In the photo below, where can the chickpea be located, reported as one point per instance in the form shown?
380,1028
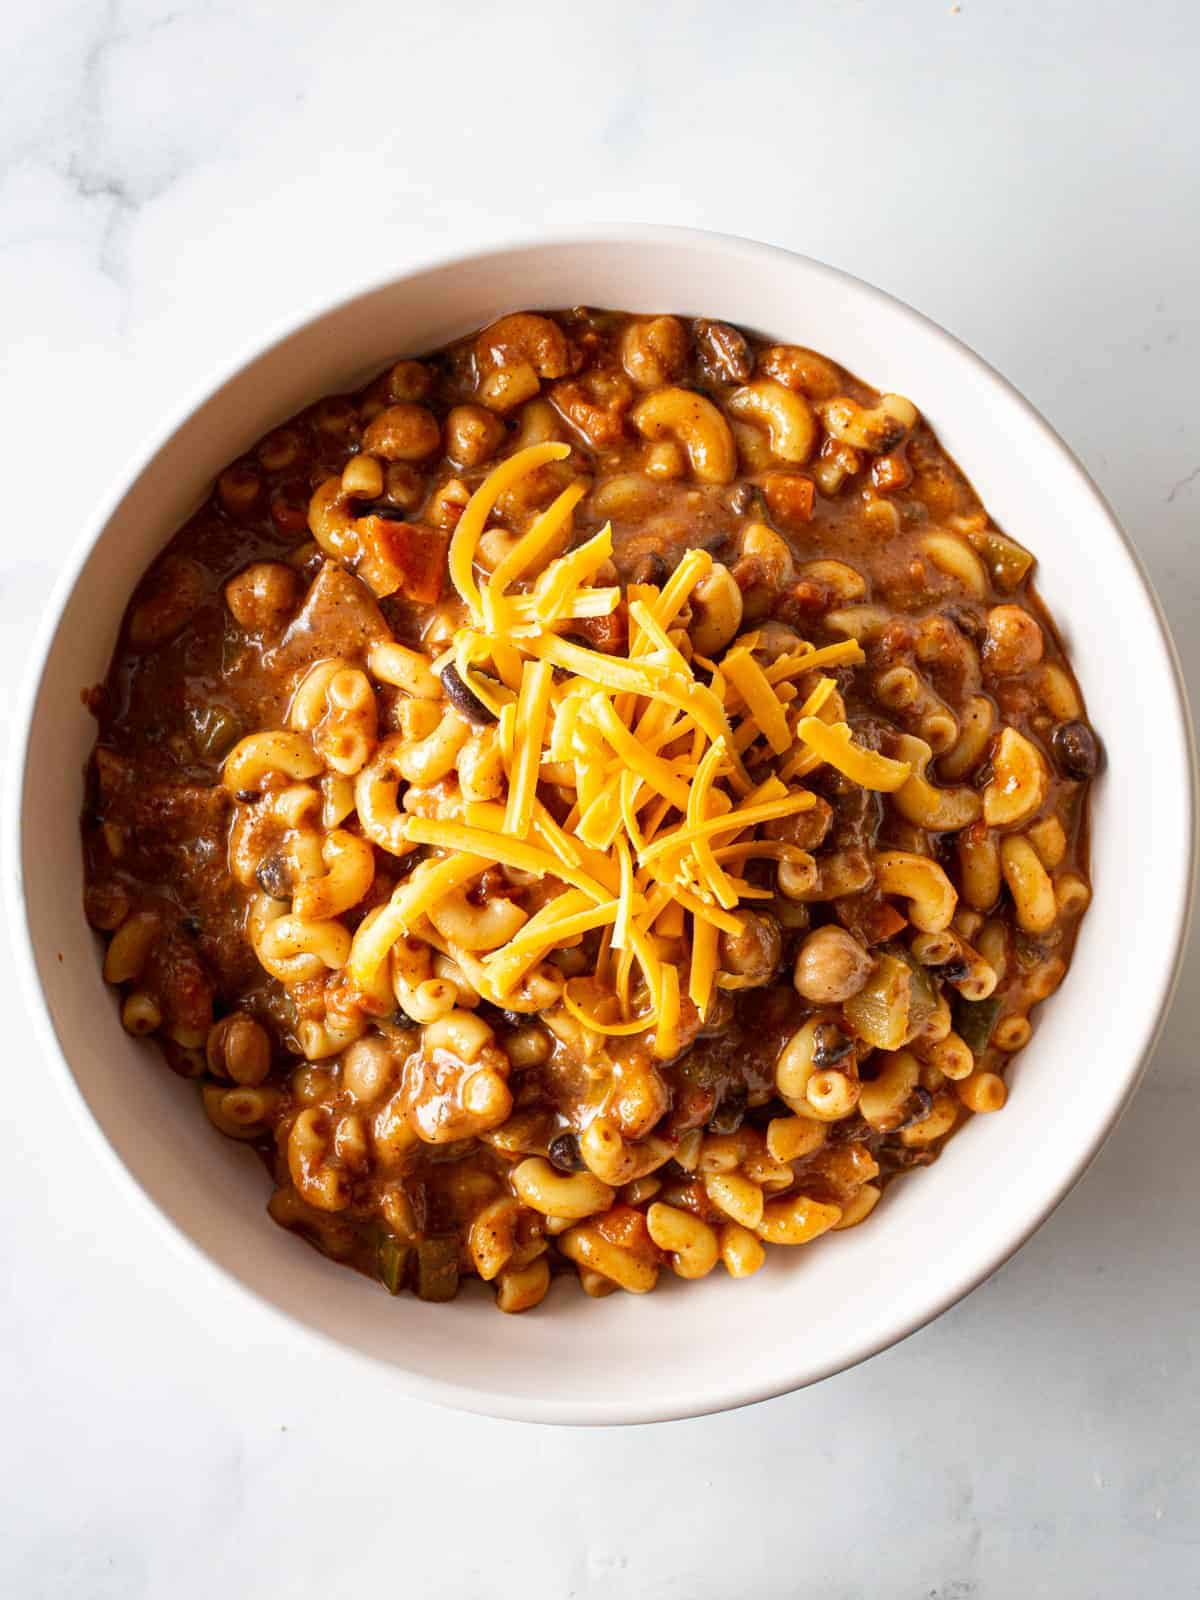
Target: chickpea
754,952
716,611
473,435
403,485
403,432
237,1047
238,488
263,596
831,966
1014,640
336,417
278,450
408,381
527,1046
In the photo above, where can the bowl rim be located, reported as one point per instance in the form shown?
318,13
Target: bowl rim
552,1410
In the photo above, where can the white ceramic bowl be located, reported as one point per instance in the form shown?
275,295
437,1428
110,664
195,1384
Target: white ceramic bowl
687,1348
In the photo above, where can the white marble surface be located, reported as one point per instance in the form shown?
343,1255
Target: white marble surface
173,177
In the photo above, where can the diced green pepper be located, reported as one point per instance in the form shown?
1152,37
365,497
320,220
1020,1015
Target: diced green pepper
880,1011
216,729
437,1268
923,1000
393,1263
1007,562
974,1021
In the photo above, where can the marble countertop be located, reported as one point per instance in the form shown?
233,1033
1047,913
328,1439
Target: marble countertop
177,174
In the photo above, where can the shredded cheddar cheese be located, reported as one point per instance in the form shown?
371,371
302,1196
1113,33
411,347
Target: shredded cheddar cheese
533,703
627,790
832,742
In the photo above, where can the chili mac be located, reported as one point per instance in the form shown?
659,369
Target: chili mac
601,800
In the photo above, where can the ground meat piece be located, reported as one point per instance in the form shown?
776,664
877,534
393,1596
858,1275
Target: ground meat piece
339,617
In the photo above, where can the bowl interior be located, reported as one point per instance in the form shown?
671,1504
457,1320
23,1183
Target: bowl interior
818,1309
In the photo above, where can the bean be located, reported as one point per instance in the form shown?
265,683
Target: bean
724,351
564,1153
237,1047
922,1102
275,876
463,699
967,622
831,966
649,568
830,1045
1076,750
731,1110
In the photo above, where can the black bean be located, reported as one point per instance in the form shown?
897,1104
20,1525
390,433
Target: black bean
901,1159
730,1112
190,925
830,1045
921,1104
275,876
463,700
564,1153
945,846
968,622
1076,750
248,797
649,568
1031,953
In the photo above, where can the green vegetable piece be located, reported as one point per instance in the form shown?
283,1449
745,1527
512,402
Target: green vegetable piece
1008,564
216,730
437,1268
923,1000
392,1263
880,1011
974,1021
